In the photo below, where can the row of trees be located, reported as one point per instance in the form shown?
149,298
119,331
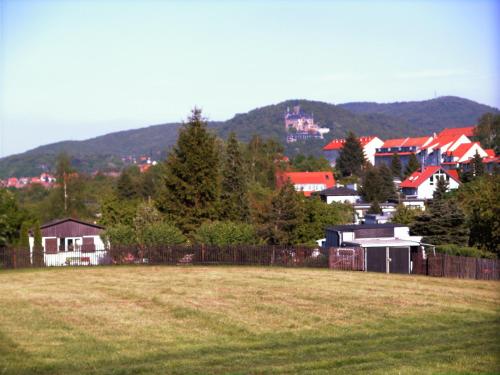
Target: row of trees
217,193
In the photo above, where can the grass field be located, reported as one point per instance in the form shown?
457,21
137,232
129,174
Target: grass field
244,320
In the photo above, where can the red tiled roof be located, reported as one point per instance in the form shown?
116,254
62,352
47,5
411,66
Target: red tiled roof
406,142
444,140
461,150
302,178
467,131
337,144
417,178
490,152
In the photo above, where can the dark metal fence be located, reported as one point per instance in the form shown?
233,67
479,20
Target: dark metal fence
444,265
288,256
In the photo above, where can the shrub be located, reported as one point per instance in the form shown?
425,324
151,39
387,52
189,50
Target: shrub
465,251
222,233
119,235
161,233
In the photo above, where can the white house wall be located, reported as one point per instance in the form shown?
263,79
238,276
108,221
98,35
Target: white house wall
370,149
342,199
426,189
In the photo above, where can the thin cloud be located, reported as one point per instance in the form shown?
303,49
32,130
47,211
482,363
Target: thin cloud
343,77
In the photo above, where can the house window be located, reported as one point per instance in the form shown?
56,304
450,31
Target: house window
62,244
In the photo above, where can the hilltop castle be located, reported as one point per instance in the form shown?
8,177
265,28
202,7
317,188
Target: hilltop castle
300,125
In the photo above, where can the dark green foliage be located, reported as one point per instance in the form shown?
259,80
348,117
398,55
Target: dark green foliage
191,185
477,165
441,189
378,184
302,163
24,242
234,195
480,200
352,157
412,166
442,223
405,215
119,235
285,217
487,131
128,185
11,218
374,208
396,167
37,245
222,233
465,251
116,211
427,116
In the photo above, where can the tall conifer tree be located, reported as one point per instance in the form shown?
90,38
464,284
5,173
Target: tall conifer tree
191,187
396,166
286,216
352,157
234,195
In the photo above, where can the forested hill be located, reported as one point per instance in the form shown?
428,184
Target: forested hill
385,120
427,115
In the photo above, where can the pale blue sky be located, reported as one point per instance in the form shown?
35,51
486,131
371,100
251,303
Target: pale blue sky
79,69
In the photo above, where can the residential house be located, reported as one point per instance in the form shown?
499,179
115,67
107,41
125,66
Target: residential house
422,184
71,241
462,154
339,194
332,150
306,182
404,147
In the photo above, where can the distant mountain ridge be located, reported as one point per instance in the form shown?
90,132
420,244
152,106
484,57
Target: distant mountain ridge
364,118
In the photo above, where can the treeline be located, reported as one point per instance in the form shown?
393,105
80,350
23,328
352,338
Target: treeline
206,191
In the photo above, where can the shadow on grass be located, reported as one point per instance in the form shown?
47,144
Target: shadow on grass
445,344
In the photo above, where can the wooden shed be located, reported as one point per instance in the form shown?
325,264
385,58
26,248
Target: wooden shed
387,247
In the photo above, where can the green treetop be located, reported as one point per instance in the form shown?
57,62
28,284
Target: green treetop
234,194
352,157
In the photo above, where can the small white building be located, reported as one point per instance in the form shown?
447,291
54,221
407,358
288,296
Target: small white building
422,184
71,242
339,194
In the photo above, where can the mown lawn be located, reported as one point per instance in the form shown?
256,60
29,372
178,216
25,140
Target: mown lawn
244,320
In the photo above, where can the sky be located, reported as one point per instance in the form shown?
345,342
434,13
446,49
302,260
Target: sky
76,69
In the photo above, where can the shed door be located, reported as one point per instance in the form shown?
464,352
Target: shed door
376,259
88,244
400,260
51,245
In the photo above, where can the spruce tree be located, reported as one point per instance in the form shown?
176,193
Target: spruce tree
443,222
234,194
388,190
441,189
378,184
286,216
191,185
396,166
477,165
352,157
413,165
